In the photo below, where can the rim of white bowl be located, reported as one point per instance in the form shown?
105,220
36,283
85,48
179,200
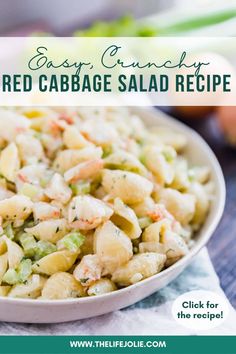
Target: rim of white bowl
193,251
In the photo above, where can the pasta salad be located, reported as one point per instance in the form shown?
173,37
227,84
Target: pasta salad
91,200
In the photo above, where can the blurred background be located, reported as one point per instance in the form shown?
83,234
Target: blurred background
153,18
213,17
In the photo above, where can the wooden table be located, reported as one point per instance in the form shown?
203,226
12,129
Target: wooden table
222,245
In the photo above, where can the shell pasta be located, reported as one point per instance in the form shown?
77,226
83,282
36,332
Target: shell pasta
91,200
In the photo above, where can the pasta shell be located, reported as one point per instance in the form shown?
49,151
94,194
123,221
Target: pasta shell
9,162
60,261
142,208
181,179
128,186
3,265
200,174
87,246
141,266
157,164
156,247
30,148
18,207
49,230
175,246
99,132
101,286
67,159
73,139
31,289
125,218
180,205
113,247
84,170
202,203
5,193
16,124
125,161
14,252
62,285
156,231
4,290
169,137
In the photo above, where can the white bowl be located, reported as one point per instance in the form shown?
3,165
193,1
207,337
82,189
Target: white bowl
41,311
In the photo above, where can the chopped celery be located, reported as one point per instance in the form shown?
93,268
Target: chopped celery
8,230
24,270
45,180
196,21
125,166
81,187
142,158
169,153
35,249
20,274
11,277
28,243
150,26
29,190
44,248
107,150
122,27
168,156
72,241
144,222
191,175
